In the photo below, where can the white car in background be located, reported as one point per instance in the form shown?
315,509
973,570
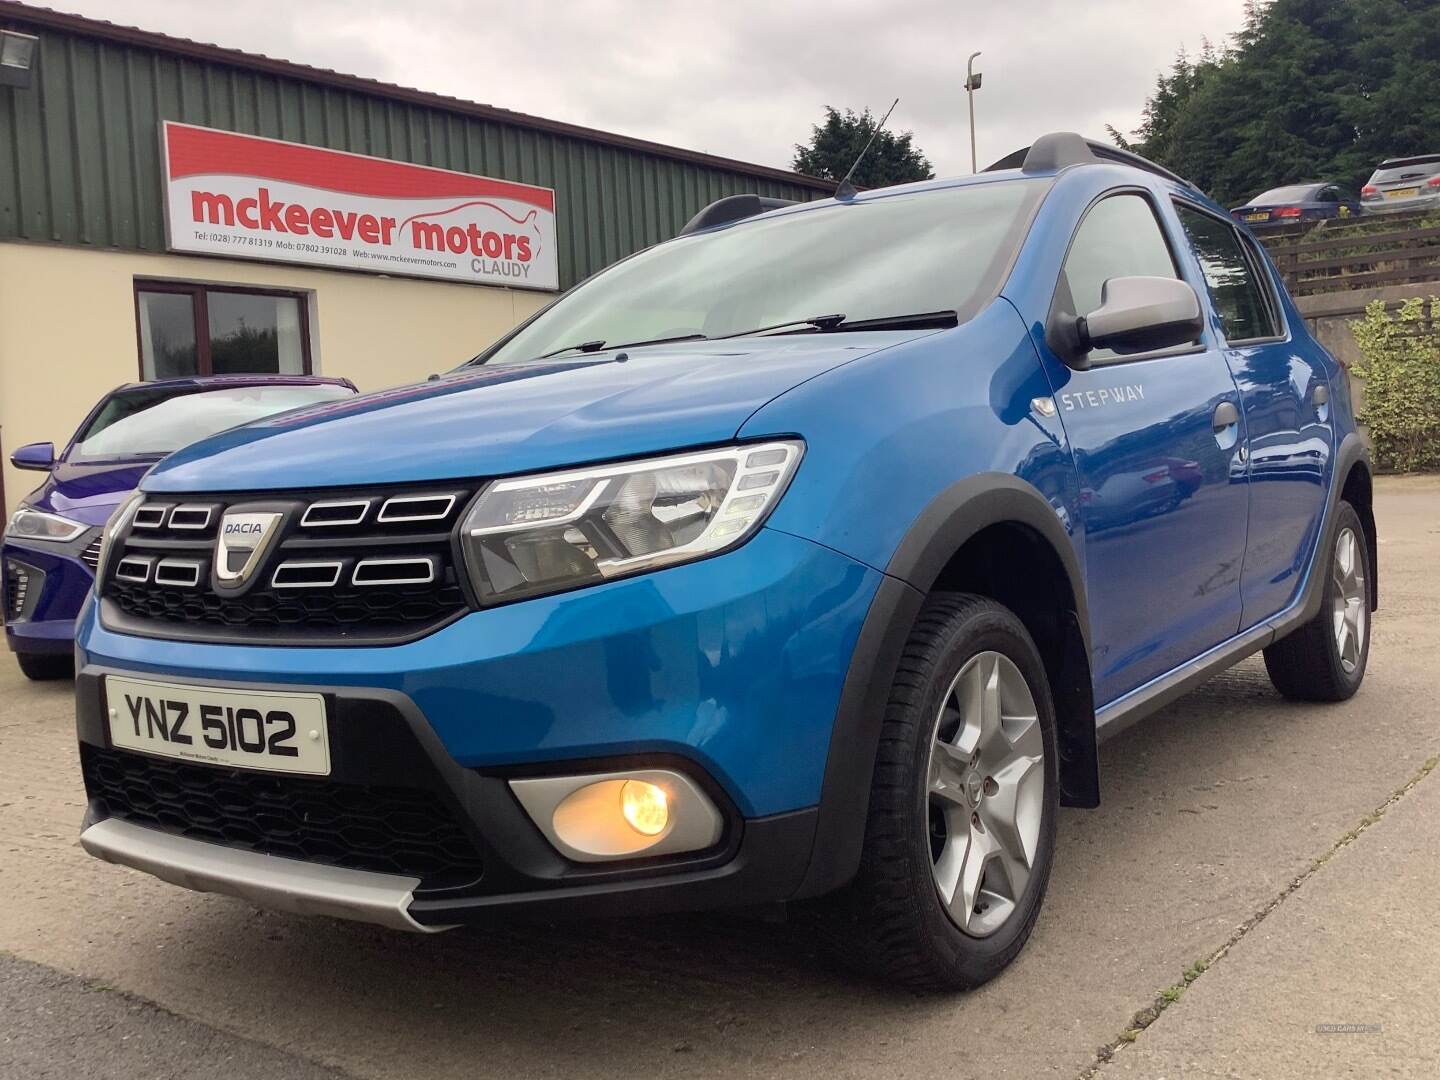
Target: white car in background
1411,183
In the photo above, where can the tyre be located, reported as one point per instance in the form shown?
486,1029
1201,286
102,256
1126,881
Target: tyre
46,666
1324,660
961,828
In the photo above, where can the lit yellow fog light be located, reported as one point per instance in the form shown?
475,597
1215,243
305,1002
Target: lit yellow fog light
645,807
601,816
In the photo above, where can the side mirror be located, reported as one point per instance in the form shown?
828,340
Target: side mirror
39,456
1138,314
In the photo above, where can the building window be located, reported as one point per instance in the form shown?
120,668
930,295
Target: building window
217,330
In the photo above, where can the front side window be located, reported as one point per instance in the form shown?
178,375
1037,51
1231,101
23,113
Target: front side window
1231,277
200,330
147,422
1120,237
903,254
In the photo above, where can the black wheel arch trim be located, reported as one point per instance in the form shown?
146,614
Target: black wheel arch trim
1352,453
956,515
971,505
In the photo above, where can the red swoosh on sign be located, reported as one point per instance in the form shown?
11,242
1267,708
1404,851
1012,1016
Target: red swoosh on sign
473,202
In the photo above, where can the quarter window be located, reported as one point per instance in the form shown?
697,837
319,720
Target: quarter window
1120,237
1231,277
204,330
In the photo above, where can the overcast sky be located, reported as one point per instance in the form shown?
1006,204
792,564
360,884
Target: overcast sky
743,79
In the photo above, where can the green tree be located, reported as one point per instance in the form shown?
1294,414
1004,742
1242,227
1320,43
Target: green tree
835,144
1306,90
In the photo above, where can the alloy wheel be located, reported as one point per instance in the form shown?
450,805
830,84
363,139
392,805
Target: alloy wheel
985,789
1350,607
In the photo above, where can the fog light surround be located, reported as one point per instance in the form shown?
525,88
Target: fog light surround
601,817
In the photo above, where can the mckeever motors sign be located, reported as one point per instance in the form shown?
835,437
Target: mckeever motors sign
252,198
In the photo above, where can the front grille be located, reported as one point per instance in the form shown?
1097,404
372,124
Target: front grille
266,609
390,830
91,555
349,567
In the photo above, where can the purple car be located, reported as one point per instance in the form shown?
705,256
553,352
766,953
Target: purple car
52,543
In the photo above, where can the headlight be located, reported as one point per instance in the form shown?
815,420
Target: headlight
28,524
118,520
553,531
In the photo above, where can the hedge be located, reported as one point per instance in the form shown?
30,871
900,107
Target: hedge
1401,369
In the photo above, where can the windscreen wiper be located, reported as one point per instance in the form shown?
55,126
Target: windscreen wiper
584,346
829,324
814,322
923,320
663,340
596,346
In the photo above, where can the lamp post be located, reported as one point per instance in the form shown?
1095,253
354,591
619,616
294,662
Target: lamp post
972,83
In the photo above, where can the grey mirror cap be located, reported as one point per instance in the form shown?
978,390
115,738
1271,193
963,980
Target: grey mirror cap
1138,314
39,456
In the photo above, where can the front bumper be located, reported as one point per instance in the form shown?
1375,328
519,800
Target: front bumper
729,670
283,884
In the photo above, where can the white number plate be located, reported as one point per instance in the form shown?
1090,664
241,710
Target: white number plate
252,729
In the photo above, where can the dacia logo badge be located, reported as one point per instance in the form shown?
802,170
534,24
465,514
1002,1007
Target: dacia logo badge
244,539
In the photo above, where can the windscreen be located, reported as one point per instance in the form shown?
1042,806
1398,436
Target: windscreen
902,254
153,421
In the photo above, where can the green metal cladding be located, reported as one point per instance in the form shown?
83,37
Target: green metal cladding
80,148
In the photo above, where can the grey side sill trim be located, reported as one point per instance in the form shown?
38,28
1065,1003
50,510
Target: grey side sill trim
300,888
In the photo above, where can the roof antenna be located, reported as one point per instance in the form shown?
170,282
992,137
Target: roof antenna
846,190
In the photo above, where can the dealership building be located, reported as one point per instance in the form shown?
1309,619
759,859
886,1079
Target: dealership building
170,208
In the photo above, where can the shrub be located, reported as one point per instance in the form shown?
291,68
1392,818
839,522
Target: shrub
1401,369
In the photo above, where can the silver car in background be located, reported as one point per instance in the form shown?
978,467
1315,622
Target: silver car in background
1411,183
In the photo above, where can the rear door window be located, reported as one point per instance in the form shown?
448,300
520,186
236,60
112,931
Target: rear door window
1232,276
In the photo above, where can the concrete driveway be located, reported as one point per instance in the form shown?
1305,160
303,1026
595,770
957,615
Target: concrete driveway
1286,856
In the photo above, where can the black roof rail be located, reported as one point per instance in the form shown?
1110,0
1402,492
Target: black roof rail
732,208
1061,149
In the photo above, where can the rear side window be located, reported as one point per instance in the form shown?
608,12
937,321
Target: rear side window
1232,277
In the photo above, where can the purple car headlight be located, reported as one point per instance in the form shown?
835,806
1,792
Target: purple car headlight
28,524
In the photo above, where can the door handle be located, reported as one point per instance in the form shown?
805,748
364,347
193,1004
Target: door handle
1321,395
1226,424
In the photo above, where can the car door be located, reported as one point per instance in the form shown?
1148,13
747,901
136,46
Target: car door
1154,437
1285,398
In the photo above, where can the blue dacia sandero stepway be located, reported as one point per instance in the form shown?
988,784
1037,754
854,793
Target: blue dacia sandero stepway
809,554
